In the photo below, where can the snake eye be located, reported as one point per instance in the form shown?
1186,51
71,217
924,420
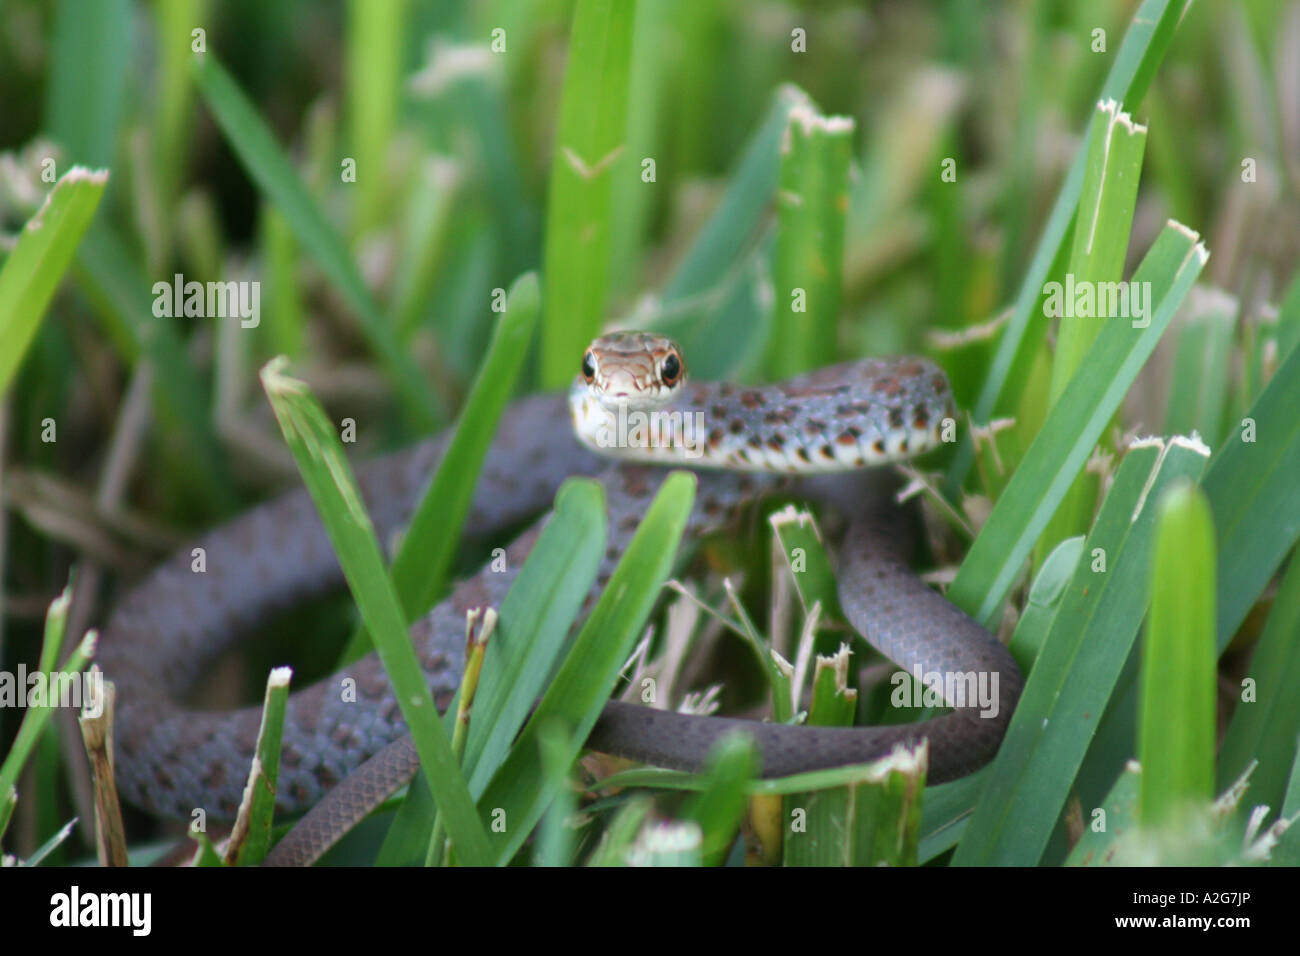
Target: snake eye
671,370
588,366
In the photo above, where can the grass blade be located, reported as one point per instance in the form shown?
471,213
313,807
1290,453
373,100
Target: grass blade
585,679
534,619
36,718
420,567
735,222
719,807
589,148
251,838
262,157
173,116
807,274
40,257
87,77
1043,601
555,839
1072,429
1101,235
1144,46
329,479
1266,724
1198,389
874,820
1112,822
375,31
1078,666
1255,496
1176,737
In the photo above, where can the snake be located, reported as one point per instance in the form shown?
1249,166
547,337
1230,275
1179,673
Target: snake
631,416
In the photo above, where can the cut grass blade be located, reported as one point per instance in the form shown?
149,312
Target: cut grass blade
251,838
589,151
796,534
1101,235
807,273
834,702
1256,503
873,820
1176,735
1072,429
1144,46
325,471
822,814
95,722
1078,666
1106,202
40,257
587,676
479,625
264,160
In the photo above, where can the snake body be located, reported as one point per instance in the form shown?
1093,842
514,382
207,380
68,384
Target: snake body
156,644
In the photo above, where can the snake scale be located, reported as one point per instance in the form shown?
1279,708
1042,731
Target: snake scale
343,756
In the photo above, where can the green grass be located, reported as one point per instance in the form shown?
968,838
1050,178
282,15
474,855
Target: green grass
1088,636
420,566
326,474
589,155
1101,235
516,161
40,257
1176,746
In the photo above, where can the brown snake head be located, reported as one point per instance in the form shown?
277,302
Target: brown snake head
636,369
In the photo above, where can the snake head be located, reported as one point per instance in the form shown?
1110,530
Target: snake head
633,369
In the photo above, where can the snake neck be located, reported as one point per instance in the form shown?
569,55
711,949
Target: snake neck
845,417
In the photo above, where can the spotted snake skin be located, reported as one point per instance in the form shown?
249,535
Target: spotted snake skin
342,757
